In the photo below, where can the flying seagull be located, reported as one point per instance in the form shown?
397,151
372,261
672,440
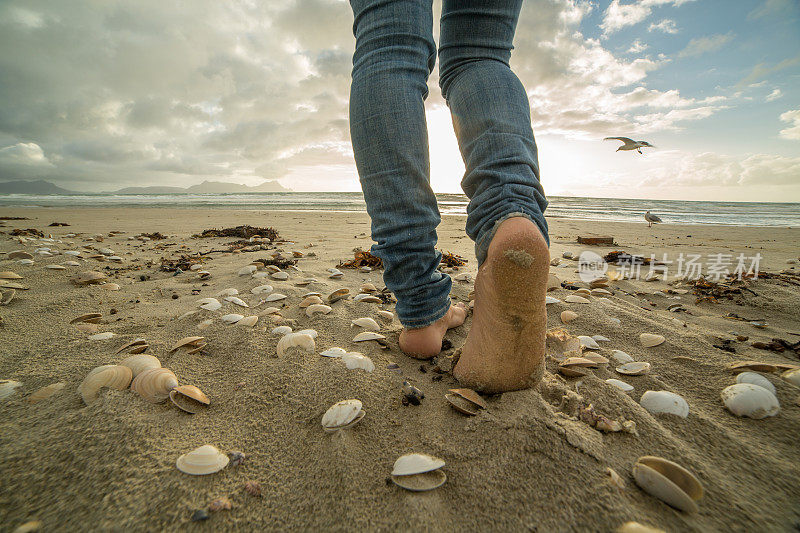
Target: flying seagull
651,219
630,144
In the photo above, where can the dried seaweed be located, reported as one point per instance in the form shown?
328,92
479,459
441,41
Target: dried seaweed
30,232
243,232
183,263
58,224
620,257
280,263
360,259
14,218
156,236
452,260
779,346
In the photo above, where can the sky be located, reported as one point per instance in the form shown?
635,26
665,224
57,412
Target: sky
103,94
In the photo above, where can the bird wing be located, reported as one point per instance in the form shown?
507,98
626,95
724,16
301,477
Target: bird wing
654,218
645,143
626,140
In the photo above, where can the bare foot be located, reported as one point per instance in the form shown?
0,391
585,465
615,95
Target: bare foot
504,350
424,343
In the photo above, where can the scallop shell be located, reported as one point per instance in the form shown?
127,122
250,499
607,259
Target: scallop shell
752,401
588,342
755,379
337,295
111,376
367,323
206,459
154,384
356,360
7,387
314,309
669,482
296,340
231,318
187,341
635,368
664,402
261,289
620,384
45,392
189,398
209,304
249,321
236,301
140,362
342,415
334,352
568,316
650,340
792,376
575,299
368,336
311,300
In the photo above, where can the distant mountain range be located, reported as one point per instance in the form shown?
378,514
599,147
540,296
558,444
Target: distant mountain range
207,187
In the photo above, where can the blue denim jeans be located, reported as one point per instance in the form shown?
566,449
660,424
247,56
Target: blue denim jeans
395,53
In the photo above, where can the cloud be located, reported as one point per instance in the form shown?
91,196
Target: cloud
793,131
703,45
637,46
665,26
26,154
762,70
773,7
713,169
774,95
618,16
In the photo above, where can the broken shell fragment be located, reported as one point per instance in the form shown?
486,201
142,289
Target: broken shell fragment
311,300
635,368
334,352
7,387
367,323
418,472
755,379
664,402
110,376
296,340
209,304
45,392
249,321
187,341
231,318
465,401
620,384
140,362
752,401
756,366
189,398
356,360
154,384
669,482
204,460
368,336
649,340
315,309
342,415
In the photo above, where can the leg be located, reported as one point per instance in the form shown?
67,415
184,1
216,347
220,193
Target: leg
505,347
395,53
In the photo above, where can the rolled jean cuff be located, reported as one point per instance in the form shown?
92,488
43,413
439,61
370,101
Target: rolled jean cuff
425,320
483,242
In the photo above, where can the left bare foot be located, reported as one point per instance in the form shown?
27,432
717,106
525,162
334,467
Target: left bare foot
424,343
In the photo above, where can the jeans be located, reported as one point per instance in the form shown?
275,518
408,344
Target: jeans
395,53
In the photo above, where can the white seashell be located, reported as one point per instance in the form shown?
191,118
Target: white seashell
368,336
110,286
261,289
386,315
309,294
306,281
25,261
111,376
658,402
44,392
204,460
464,276
56,267
356,360
101,336
296,340
271,311
227,292
274,297
236,300
336,275
154,384
209,304
279,276
246,271
635,368
621,357
746,399
115,258
552,300
568,316
588,342
281,330
601,338
314,309
575,299
650,340
72,263
620,384
232,318
259,275
204,324
367,323
249,321
669,482
792,376
342,415
140,362
755,379
416,463
311,300
73,253
311,332
366,269
106,251
334,352
8,387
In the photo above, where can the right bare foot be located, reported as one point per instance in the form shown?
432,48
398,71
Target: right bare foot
504,350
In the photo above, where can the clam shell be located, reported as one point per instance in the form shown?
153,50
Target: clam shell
669,482
154,384
249,321
311,300
416,463
227,292
190,341
314,309
246,271
635,368
334,352
461,405
296,340
281,276
386,315
367,323
261,289
6,295
367,298
10,275
236,301
752,401
209,304
101,336
231,318
588,342
355,360
568,316
368,336
7,387
92,318
88,278
792,376
110,286
281,330
206,459
189,398
471,396
575,299
597,358
274,297
342,415
421,482
620,384
649,340
551,300
85,327
621,357
601,338
337,295
573,366
368,287
111,376
134,343
19,254
752,365
636,527
553,282
45,392
755,379
140,362
664,402
583,292
311,332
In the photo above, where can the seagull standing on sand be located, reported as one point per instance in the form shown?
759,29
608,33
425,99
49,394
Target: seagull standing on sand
630,144
651,219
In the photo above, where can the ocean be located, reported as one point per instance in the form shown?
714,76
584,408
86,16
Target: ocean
600,209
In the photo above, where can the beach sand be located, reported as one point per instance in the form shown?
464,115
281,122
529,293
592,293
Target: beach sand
526,463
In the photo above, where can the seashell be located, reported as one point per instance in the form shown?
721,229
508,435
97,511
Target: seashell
568,316
314,309
664,402
601,338
551,300
367,298
271,311
154,384
621,357
246,271
620,384
249,321
25,261
597,358
92,318
203,274
71,263
111,376
367,323
140,362
101,336
650,340
271,269
573,366
669,482
752,365
88,278
553,282
334,352
792,376
110,286
227,292
311,300
206,459
296,340
356,360
583,292
634,368
306,281
465,401
236,301
190,341
636,527
615,478
388,316
10,275
337,295
368,287
575,299
73,253
588,342
259,275
231,318
209,304
281,276
308,294
418,472
752,401
261,289
311,332
336,275
755,379
281,330
6,295
464,276
759,323
198,348
600,292
19,254
189,398
274,297
7,387
85,327
560,344
365,269
368,336
45,392
342,415
411,394
133,343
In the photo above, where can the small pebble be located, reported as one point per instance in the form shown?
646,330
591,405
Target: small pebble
220,504
174,296
199,515
236,457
